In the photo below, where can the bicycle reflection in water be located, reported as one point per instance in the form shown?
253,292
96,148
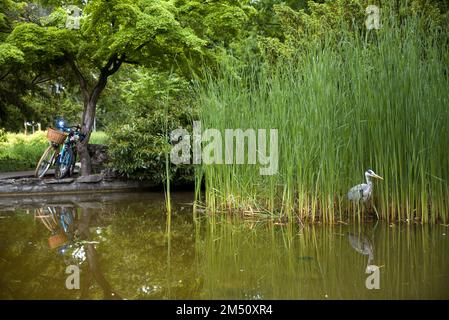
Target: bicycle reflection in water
71,236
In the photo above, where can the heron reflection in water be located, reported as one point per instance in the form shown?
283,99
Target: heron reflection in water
363,244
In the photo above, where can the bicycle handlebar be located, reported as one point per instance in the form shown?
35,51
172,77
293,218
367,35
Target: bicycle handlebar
76,126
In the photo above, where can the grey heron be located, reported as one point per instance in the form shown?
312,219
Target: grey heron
362,192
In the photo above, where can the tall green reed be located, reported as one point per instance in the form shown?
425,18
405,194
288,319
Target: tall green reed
340,109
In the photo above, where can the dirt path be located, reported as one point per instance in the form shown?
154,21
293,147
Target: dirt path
22,174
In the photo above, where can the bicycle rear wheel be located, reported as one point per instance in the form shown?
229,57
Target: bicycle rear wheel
45,162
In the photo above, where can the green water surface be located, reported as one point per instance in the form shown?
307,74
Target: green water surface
124,248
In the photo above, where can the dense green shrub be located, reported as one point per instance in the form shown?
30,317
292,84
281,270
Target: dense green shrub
138,151
150,106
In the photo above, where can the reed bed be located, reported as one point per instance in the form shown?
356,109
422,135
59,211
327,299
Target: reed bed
379,102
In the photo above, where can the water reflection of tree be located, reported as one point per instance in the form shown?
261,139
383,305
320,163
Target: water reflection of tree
93,265
132,253
77,233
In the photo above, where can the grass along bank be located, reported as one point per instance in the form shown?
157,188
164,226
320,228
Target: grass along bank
19,152
379,103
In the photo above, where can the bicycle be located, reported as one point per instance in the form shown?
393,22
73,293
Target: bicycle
63,158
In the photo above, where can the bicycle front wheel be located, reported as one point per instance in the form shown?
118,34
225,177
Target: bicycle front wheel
64,164
45,162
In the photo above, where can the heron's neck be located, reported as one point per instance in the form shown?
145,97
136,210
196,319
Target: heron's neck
368,180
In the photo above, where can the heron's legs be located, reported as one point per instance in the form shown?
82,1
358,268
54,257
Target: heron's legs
375,210
377,214
370,205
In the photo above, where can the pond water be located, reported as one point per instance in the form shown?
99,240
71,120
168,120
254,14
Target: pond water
124,248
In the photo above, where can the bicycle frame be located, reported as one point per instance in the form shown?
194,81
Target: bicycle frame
62,151
70,142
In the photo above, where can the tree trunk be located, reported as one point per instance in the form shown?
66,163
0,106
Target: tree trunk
86,129
90,107
90,103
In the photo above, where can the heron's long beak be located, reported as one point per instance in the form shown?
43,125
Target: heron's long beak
376,176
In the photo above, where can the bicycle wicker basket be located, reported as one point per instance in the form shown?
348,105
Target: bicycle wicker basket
56,136
57,240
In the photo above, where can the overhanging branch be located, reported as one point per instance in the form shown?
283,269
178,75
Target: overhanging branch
5,75
79,75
